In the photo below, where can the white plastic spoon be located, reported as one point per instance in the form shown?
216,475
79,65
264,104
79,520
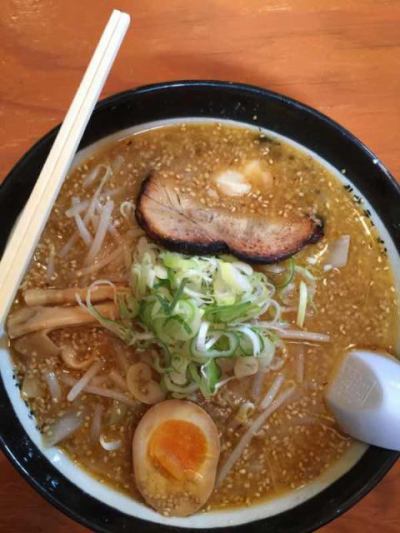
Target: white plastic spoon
364,396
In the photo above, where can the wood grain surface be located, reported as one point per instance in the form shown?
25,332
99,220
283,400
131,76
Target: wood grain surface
339,56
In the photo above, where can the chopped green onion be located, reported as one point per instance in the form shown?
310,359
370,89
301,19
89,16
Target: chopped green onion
282,279
190,312
181,389
225,346
177,295
210,373
228,313
254,338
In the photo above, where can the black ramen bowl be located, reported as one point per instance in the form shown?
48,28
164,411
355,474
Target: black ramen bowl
218,100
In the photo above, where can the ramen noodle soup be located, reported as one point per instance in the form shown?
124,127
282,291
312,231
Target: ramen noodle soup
193,290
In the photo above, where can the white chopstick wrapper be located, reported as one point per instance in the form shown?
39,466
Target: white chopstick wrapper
30,226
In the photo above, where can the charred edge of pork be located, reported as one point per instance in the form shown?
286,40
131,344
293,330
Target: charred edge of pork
218,246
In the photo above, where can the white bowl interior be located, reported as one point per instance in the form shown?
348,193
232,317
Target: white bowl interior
213,519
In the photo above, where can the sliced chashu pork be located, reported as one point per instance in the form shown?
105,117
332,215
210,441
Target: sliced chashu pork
181,223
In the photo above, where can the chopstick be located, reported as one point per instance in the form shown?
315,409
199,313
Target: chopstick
30,225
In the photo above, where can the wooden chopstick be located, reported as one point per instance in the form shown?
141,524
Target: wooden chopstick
30,225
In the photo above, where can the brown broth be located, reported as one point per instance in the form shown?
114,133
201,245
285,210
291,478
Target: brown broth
355,305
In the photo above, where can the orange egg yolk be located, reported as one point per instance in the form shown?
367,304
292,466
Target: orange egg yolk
178,447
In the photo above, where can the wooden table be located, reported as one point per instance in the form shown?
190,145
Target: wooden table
340,56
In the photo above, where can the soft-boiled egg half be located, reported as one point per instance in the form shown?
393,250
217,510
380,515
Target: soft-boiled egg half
175,456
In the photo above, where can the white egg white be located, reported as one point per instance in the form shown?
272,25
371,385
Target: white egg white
164,493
